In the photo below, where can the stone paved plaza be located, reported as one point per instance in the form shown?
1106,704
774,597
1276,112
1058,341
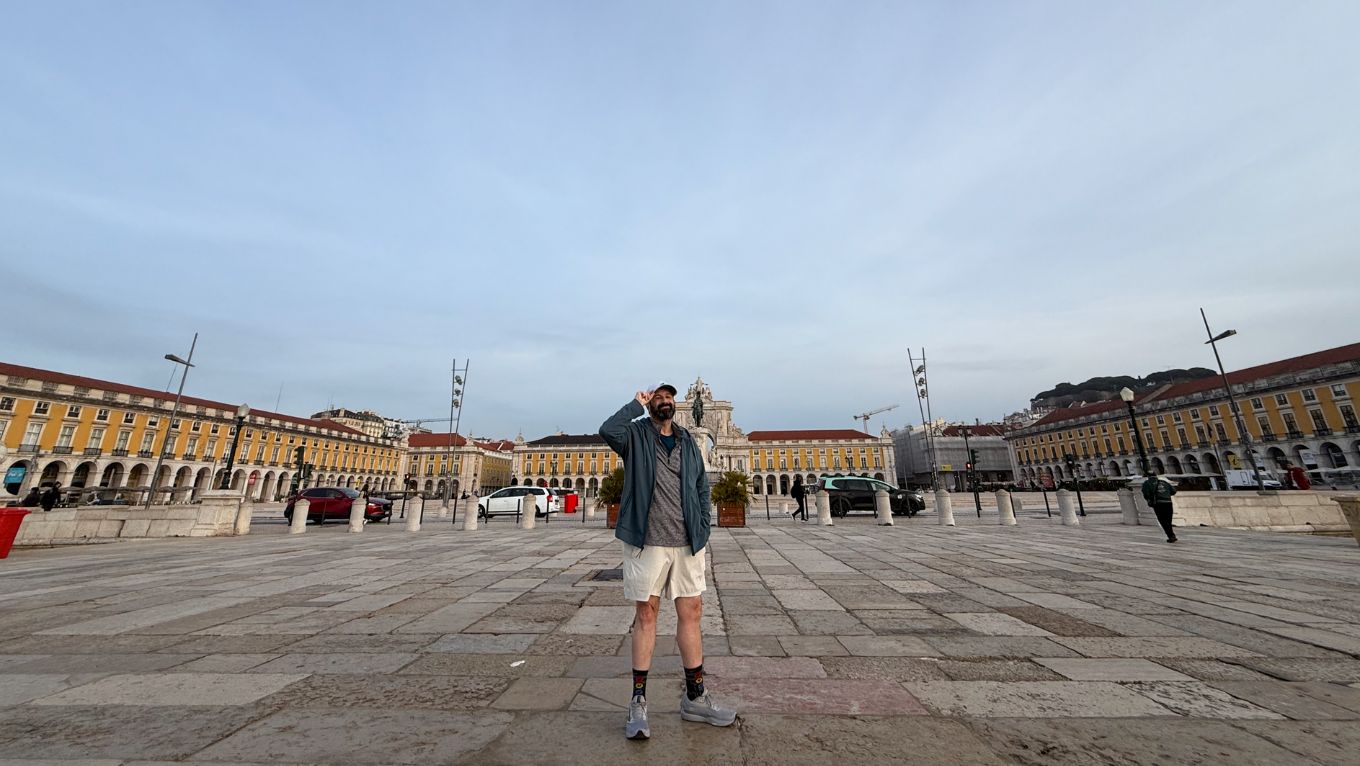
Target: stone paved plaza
981,644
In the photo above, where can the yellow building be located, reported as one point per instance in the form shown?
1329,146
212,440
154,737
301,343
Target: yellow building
573,461
1299,411
87,433
479,466
776,456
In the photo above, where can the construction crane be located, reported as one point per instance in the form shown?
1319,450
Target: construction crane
865,417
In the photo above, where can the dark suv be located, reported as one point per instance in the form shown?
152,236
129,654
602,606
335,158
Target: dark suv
856,493
328,503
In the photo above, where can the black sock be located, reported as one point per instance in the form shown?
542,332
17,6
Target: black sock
694,682
639,683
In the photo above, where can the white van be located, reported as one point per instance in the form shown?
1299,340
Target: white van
1246,480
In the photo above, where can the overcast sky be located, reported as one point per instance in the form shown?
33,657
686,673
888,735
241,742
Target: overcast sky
584,198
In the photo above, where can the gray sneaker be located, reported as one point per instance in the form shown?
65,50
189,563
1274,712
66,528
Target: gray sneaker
705,709
636,727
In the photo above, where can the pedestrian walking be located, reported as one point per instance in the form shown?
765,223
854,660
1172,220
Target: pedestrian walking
1157,491
663,524
799,496
33,499
364,491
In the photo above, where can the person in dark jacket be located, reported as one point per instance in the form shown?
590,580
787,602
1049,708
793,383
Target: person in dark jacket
1157,491
33,499
799,496
50,497
663,523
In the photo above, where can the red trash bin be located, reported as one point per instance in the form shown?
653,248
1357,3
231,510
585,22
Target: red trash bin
10,519
572,500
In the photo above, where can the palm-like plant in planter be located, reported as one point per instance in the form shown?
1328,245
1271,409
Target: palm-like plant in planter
611,492
730,493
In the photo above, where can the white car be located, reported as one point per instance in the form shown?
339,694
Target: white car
506,502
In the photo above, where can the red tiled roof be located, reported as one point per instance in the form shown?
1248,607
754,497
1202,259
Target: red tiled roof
436,440
567,440
497,445
985,429
1338,355
186,401
830,434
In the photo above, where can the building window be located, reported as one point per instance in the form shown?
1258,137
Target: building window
1319,422
33,435
212,448
123,438
73,411
6,404
1309,395
192,447
213,430
152,422
42,408
259,454
1180,434
147,439
197,426
1176,417
1339,391
1222,434
1348,417
1194,415
1256,403
1282,400
96,438
1264,422
1199,433
1161,420
102,415
64,437
129,418
1291,426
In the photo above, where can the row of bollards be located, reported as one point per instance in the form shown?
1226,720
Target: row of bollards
525,516
1007,507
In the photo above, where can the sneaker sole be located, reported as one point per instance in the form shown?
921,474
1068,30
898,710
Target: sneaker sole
643,734
696,718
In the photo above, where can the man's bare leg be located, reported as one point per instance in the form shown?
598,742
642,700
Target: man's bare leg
688,612
644,632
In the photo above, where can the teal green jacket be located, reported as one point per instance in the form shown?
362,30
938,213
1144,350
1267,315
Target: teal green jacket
635,441
1157,490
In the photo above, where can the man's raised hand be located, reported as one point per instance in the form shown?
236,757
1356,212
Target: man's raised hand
644,397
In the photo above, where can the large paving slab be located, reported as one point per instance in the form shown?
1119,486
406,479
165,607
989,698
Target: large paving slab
977,644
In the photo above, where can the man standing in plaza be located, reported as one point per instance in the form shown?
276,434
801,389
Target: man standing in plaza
664,525
1157,491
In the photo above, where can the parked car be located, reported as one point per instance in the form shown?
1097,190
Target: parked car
505,502
849,494
1238,479
333,503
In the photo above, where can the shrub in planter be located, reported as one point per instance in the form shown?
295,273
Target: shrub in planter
611,492
730,494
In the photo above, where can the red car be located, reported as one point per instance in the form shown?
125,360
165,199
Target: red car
333,503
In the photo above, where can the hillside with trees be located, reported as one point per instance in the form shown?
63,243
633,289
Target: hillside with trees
1102,388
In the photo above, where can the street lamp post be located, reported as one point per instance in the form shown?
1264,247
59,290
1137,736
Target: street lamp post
1232,401
174,413
968,472
1127,395
242,413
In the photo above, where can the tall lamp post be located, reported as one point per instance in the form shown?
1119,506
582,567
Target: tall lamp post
1127,395
242,413
1232,401
174,414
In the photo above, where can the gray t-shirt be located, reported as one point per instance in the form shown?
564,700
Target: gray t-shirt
666,518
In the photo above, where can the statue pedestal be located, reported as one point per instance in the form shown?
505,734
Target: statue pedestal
704,438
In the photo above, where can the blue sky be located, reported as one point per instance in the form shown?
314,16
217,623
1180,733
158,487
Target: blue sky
586,197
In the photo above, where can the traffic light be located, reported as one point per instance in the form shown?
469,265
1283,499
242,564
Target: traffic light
972,457
300,452
968,466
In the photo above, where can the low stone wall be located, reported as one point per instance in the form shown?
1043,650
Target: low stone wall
1287,511
215,515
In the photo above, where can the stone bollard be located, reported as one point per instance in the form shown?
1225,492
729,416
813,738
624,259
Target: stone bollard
299,523
944,507
784,507
1005,512
356,513
1350,508
443,511
470,514
883,506
526,511
413,513
1067,507
824,509
1128,508
244,515
589,509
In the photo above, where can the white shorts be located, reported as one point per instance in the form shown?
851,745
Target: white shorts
670,573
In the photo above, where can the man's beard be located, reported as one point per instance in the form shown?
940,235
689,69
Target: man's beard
661,411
